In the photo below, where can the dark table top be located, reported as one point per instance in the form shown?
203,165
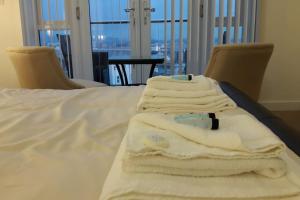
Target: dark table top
135,60
132,59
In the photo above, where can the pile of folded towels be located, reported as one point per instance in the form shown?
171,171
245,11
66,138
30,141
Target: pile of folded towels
178,156
176,94
157,143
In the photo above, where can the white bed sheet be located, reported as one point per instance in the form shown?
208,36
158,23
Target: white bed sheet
60,144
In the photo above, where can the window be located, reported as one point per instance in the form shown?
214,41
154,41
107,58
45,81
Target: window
182,31
54,31
161,35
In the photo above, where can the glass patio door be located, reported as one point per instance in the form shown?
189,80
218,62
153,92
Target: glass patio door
143,29
115,29
183,32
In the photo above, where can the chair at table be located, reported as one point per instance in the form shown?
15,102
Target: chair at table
39,68
65,46
101,63
242,65
101,67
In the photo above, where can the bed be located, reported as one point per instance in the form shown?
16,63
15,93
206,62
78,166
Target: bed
61,144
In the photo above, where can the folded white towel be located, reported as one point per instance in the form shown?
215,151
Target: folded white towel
205,100
168,83
203,167
152,92
164,94
239,136
124,186
182,105
193,151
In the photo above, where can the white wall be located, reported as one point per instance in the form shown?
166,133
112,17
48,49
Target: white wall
10,35
280,24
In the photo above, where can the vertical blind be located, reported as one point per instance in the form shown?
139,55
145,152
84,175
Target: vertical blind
175,18
219,22
210,23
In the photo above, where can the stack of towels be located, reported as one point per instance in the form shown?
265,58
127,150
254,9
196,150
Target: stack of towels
178,94
164,158
157,143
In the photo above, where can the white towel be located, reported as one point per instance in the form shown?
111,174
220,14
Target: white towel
152,92
178,105
204,101
164,94
203,167
239,136
168,83
124,186
193,151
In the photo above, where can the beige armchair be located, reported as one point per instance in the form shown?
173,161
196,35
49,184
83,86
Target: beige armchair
39,68
241,65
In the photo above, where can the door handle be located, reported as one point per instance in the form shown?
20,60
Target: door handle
129,9
150,9
147,14
78,13
201,10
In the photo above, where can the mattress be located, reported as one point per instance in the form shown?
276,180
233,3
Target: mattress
60,144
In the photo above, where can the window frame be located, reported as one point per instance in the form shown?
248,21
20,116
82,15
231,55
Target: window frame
52,24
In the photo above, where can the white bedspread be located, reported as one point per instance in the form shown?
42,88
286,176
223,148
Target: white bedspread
59,145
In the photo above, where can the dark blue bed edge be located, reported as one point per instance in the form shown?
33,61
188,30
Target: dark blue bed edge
288,135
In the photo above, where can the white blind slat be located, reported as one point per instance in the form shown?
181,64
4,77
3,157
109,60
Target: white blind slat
245,21
221,21
48,10
172,36
237,20
120,25
205,32
165,34
181,38
35,20
56,8
253,20
229,21
212,25
189,33
50,31
196,23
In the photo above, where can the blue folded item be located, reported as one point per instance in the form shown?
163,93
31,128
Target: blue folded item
201,120
183,77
